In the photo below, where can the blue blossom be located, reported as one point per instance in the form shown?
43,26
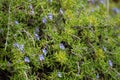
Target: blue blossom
97,76
102,1
116,10
92,10
36,36
41,57
62,46
92,1
16,45
44,20
50,16
104,48
110,63
49,0
31,7
59,74
44,51
16,22
61,11
26,59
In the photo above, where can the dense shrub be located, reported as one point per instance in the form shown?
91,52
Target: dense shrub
59,40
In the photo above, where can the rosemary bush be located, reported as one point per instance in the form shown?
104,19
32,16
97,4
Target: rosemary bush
59,40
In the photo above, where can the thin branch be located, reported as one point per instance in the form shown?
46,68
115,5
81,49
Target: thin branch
78,68
107,5
8,26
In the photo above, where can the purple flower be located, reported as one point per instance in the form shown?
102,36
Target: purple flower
26,59
61,11
59,74
93,10
91,1
44,51
41,57
97,76
50,16
101,1
37,37
16,22
110,63
49,0
44,20
62,46
104,48
31,7
116,10
16,45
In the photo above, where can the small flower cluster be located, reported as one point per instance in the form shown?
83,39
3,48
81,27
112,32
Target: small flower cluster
41,56
20,47
50,17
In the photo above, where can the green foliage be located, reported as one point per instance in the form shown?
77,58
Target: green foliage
59,40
